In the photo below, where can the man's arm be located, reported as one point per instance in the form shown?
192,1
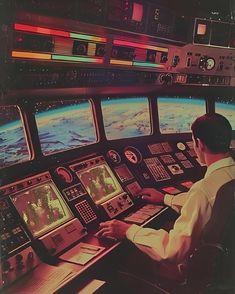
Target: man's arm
159,244
154,196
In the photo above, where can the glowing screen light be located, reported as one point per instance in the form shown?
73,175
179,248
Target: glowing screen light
177,114
100,183
126,117
13,144
65,125
226,107
42,208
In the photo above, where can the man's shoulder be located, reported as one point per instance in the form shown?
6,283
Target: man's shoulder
211,184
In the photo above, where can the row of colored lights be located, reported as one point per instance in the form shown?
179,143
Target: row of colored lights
135,63
53,32
44,56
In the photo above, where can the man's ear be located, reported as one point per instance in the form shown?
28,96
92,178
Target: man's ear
201,145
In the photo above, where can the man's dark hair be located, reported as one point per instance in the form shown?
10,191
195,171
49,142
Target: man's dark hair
214,130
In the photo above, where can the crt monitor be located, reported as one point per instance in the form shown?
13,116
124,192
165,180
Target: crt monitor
42,208
100,183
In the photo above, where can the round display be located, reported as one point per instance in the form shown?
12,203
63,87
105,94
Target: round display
114,156
64,174
210,63
181,146
133,155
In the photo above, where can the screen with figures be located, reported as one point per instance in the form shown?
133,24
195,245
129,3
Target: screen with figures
42,208
100,183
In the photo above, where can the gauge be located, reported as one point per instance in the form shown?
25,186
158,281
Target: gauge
206,63
210,63
181,146
133,155
114,156
64,174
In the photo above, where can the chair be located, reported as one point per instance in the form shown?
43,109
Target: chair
211,267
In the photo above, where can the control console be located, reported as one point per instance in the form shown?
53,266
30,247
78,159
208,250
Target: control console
117,205
14,267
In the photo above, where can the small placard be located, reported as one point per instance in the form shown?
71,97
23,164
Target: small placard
82,253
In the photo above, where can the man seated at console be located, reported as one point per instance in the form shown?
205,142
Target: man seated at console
211,134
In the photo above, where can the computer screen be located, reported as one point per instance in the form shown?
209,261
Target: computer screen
126,117
42,208
64,125
176,114
100,183
13,143
226,107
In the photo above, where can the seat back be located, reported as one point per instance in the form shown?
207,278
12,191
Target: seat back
213,261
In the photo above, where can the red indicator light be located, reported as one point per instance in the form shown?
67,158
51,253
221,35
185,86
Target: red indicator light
40,30
171,190
187,184
137,14
19,39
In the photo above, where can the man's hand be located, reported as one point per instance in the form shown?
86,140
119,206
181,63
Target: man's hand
113,228
152,195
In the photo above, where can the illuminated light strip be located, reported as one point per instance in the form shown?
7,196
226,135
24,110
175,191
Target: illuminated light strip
121,62
21,54
87,37
138,45
145,64
40,30
77,58
45,31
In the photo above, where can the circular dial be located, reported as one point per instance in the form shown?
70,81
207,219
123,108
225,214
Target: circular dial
114,156
64,174
206,63
210,63
133,155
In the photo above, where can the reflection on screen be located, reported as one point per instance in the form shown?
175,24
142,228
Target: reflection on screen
100,183
13,146
126,117
226,107
64,125
41,208
177,114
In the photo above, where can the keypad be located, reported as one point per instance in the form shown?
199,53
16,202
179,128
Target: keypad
157,169
86,212
186,164
167,159
74,192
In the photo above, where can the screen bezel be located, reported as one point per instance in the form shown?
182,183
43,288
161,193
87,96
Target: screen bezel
50,227
104,198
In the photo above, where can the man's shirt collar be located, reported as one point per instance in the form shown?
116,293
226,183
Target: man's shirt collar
219,164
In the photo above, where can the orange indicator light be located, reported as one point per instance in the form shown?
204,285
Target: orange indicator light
21,54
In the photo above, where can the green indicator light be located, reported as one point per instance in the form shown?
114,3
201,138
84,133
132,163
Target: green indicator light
76,58
87,37
145,64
